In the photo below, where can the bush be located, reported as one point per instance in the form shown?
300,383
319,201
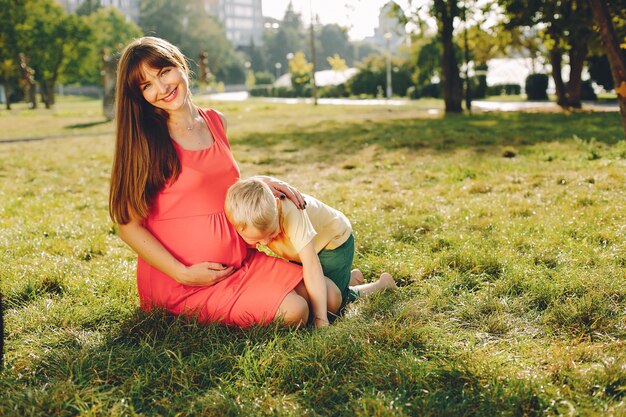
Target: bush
333,91
586,91
537,87
504,89
264,77
479,86
431,90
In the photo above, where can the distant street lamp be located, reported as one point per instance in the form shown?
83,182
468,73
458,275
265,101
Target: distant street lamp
278,66
387,37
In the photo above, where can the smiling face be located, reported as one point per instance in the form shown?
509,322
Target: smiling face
253,236
166,88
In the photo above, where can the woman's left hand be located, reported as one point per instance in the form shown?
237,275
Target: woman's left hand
281,190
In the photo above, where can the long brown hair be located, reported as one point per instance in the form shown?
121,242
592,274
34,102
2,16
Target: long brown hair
145,158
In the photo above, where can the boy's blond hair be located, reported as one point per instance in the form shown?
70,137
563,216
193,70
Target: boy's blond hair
250,202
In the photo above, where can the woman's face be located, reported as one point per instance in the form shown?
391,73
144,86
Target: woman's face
165,88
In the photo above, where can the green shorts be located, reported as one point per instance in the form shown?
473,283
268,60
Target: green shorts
337,265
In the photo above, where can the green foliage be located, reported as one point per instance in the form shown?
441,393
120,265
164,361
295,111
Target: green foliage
600,71
110,32
332,40
264,78
188,25
300,70
504,229
52,40
504,89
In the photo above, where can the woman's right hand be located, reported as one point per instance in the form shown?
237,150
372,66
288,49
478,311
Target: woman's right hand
204,274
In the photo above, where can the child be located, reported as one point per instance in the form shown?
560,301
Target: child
319,237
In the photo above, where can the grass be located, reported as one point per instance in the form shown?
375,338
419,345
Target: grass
505,230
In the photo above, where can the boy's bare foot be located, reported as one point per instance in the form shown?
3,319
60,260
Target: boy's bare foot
356,277
387,281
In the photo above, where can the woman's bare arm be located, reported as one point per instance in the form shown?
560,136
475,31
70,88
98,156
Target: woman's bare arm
143,242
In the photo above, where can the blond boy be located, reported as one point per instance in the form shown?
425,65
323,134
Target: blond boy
319,237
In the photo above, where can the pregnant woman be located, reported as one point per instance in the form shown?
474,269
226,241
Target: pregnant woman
171,170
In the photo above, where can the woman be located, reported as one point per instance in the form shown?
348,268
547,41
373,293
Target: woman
171,170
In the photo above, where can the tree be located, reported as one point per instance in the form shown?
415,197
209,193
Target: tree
337,63
615,54
333,39
446,12
286,39
10,11
566,28
300,70
50,38
110,32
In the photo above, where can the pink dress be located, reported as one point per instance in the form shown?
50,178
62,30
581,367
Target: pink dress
188,218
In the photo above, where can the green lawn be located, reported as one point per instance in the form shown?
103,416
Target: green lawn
505,231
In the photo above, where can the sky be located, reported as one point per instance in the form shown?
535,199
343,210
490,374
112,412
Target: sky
360,16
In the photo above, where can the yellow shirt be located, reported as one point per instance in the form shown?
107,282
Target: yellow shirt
326,227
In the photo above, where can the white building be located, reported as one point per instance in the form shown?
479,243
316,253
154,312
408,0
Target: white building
390,28
129,8
242,19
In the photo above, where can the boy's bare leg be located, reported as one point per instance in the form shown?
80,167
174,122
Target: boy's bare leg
356,277
385,281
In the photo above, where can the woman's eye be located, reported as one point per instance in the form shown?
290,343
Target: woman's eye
165,71
145,87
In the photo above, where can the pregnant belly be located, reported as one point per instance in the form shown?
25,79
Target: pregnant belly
206,238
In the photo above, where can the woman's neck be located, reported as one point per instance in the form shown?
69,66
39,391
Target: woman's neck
183,119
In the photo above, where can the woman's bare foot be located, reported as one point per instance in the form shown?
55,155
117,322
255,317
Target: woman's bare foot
356,277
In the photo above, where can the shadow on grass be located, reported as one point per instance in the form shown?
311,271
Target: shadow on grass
450,132
157,365
51,137
86,125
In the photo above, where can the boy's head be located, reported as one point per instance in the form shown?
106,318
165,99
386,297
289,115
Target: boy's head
251,207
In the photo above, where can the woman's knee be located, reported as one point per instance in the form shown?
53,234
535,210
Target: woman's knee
294,310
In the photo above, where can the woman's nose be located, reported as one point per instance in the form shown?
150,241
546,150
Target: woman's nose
161,86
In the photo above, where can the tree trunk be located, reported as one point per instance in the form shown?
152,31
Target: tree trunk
47,93
577,56
7,94
452,86
616,57
556,59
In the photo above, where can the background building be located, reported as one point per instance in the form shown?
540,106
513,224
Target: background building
242,19
388,23
129,8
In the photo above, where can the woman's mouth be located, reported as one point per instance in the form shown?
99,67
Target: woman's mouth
171,96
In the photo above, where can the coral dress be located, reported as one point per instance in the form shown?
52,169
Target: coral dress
188,218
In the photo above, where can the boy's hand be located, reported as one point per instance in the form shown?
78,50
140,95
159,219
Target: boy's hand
321,322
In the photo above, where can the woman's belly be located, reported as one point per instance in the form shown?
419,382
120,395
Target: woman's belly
202,238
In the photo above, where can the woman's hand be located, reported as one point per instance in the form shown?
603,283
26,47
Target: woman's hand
281,190
204,274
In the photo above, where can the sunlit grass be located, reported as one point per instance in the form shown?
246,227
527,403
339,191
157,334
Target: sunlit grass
506,232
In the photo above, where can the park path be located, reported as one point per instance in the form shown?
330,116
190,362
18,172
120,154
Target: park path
481,105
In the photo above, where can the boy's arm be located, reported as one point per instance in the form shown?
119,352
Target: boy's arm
315,284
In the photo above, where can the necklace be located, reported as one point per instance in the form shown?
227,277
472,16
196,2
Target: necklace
193,124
